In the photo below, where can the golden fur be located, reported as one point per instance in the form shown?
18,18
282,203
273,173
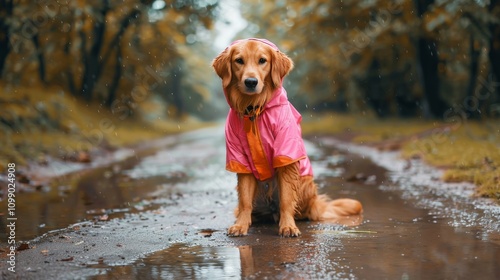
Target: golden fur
298,198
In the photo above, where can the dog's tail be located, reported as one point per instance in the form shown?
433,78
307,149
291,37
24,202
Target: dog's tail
323,208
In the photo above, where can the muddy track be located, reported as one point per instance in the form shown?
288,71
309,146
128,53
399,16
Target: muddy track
173,206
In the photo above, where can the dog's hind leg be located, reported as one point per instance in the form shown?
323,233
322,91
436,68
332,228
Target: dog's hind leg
247,185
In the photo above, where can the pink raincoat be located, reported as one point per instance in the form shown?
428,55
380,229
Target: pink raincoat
269,140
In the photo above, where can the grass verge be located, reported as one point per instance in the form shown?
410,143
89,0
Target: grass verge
39,123
467,151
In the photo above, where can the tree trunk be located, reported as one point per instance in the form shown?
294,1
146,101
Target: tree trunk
473,108
374,92
428,61
68,73
94,62
407,103
176,80
115,43
40,57
6,8
116,39
91,60
494,52
116,78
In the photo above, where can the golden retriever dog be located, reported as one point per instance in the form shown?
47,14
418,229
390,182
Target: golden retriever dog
264,144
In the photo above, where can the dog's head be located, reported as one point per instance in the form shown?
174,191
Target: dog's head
251,67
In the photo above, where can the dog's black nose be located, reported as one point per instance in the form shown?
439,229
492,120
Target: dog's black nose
251,83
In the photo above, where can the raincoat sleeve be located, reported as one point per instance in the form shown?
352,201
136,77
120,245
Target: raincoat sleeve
236,159
288,144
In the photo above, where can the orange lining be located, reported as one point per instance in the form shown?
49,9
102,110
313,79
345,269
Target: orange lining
256,149
237,167
280,161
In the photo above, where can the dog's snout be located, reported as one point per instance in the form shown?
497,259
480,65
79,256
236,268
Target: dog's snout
251,83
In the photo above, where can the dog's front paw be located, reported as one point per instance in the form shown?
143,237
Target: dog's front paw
237,230
289,231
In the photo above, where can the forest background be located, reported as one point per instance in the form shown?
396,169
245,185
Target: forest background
422,76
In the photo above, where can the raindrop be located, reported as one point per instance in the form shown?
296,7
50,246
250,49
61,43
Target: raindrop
66,27
158,4
191,39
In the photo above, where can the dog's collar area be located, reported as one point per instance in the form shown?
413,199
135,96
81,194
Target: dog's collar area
251,112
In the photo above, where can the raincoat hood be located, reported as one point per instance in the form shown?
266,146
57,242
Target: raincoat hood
267,42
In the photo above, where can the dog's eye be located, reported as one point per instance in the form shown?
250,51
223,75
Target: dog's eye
239,60
262,61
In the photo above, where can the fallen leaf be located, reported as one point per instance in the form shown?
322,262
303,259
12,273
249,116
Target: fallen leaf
96,211
83,157
23,246
67,259
21,178
206,232
159,212
45,252
103,217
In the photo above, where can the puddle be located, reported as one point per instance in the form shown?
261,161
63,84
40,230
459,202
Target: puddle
401,237
408,230
395,241
154,177
86,196
182,261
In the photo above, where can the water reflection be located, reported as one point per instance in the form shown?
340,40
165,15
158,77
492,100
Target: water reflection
415,245
81,197
182,261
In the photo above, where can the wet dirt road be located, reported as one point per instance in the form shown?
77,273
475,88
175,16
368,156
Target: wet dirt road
163,215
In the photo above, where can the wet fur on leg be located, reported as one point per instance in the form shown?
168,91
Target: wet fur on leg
289,188
247,189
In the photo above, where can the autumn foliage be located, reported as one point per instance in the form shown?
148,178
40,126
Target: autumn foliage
397,58
115,53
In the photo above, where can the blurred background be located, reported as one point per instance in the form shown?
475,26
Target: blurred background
79,75
396,58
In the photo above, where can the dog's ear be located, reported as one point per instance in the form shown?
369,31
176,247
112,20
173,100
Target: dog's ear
222,66
280,67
